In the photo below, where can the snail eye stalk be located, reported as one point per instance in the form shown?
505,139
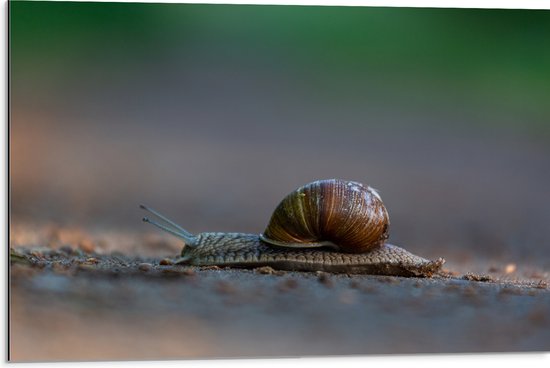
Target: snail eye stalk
174,229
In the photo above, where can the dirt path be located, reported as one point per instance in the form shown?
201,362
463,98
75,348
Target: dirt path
67,304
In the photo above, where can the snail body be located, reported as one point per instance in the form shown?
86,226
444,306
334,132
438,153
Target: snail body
328,225
249,251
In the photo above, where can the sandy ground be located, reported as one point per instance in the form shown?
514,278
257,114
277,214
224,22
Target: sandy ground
75,298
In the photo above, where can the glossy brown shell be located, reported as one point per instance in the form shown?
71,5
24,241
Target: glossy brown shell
343,214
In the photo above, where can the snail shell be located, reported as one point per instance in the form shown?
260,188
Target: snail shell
345,215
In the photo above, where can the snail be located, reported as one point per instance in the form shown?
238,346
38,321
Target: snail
328,225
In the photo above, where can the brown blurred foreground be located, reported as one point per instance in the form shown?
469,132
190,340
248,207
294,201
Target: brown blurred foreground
77,297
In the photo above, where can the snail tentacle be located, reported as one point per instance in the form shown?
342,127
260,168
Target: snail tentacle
167,220
189,239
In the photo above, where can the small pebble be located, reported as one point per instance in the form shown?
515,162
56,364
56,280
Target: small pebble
145,267
37,254
166,262
188,272
510,268
324,278
224,287
287,285
265,270
92,260
474,277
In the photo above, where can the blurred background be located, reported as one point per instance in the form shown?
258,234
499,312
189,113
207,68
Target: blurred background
213,113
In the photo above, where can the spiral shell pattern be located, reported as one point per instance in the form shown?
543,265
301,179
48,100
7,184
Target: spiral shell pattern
344,214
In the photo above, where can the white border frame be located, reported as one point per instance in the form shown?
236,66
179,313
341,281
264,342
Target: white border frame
401,361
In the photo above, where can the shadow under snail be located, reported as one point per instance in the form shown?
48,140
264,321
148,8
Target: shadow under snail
328,225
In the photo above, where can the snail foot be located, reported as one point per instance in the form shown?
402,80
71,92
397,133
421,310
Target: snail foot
429,269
